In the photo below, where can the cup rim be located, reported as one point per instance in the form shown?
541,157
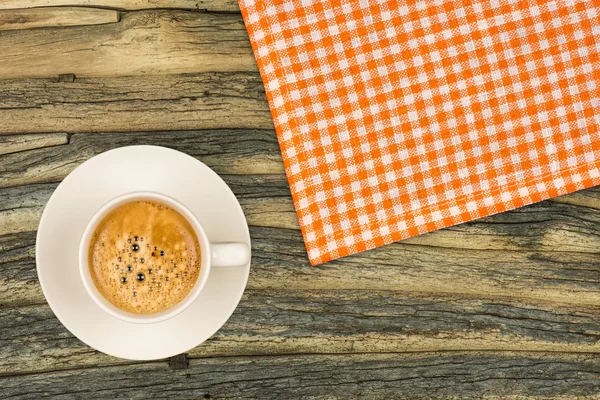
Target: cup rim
106,305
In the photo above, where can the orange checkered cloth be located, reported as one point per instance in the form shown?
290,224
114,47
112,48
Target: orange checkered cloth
396,118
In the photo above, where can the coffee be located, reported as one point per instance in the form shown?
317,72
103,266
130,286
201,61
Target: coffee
144,257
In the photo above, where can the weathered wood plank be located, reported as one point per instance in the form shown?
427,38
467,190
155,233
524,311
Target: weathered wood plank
390,376
55,16
21,207
18,278
279,260
265,199
306,322
226,151
134,103
208,5
143,42
16,143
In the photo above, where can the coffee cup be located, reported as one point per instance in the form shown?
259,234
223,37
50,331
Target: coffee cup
231,254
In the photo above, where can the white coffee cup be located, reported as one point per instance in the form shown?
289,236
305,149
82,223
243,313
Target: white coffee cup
212,255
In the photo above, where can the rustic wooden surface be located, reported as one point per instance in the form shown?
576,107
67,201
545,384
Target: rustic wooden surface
504,307
55,16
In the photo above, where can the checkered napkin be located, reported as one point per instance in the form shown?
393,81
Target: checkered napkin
396,118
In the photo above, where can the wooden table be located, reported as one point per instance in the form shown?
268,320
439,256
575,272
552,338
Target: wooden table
507,306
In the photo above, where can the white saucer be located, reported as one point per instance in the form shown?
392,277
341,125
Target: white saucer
82,193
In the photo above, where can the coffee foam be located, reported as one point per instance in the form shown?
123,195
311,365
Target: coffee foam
144,257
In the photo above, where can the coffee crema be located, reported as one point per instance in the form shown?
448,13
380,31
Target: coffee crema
144,257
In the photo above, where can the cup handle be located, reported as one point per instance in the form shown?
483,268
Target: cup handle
230,254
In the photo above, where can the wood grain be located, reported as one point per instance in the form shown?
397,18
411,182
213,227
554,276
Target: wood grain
143,42
231,151
16,143
135,103
265,199
452,375
270,322
279,260
203,5
55,16
18,277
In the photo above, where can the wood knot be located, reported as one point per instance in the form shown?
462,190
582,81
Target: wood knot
66,78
